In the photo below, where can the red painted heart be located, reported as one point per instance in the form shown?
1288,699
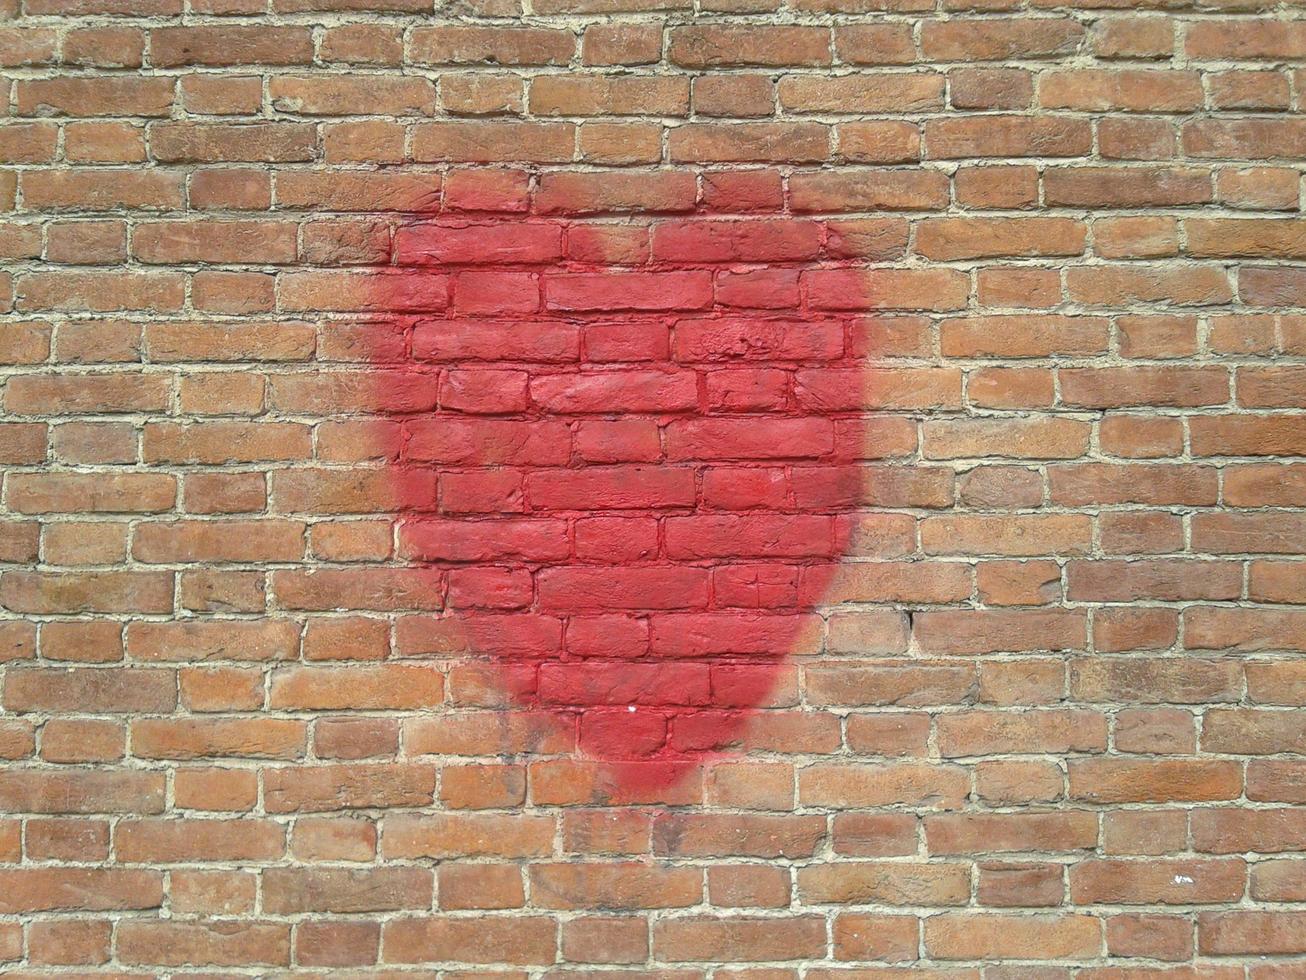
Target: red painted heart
629,454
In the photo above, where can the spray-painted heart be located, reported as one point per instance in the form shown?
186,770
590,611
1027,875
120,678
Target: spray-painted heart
630,452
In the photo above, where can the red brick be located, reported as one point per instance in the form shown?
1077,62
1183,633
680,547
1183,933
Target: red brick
288,891
231,943
1250,932
994,935
885,883
1156,781
734,939
178,841
46,889
531,940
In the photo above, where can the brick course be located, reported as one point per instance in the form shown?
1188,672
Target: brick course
720,491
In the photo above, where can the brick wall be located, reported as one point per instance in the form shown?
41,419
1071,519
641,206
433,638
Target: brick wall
748,492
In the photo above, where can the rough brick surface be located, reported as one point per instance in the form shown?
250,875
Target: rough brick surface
719,491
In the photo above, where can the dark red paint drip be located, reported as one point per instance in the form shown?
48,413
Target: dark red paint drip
632,477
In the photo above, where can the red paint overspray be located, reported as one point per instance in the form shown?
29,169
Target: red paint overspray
627,450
